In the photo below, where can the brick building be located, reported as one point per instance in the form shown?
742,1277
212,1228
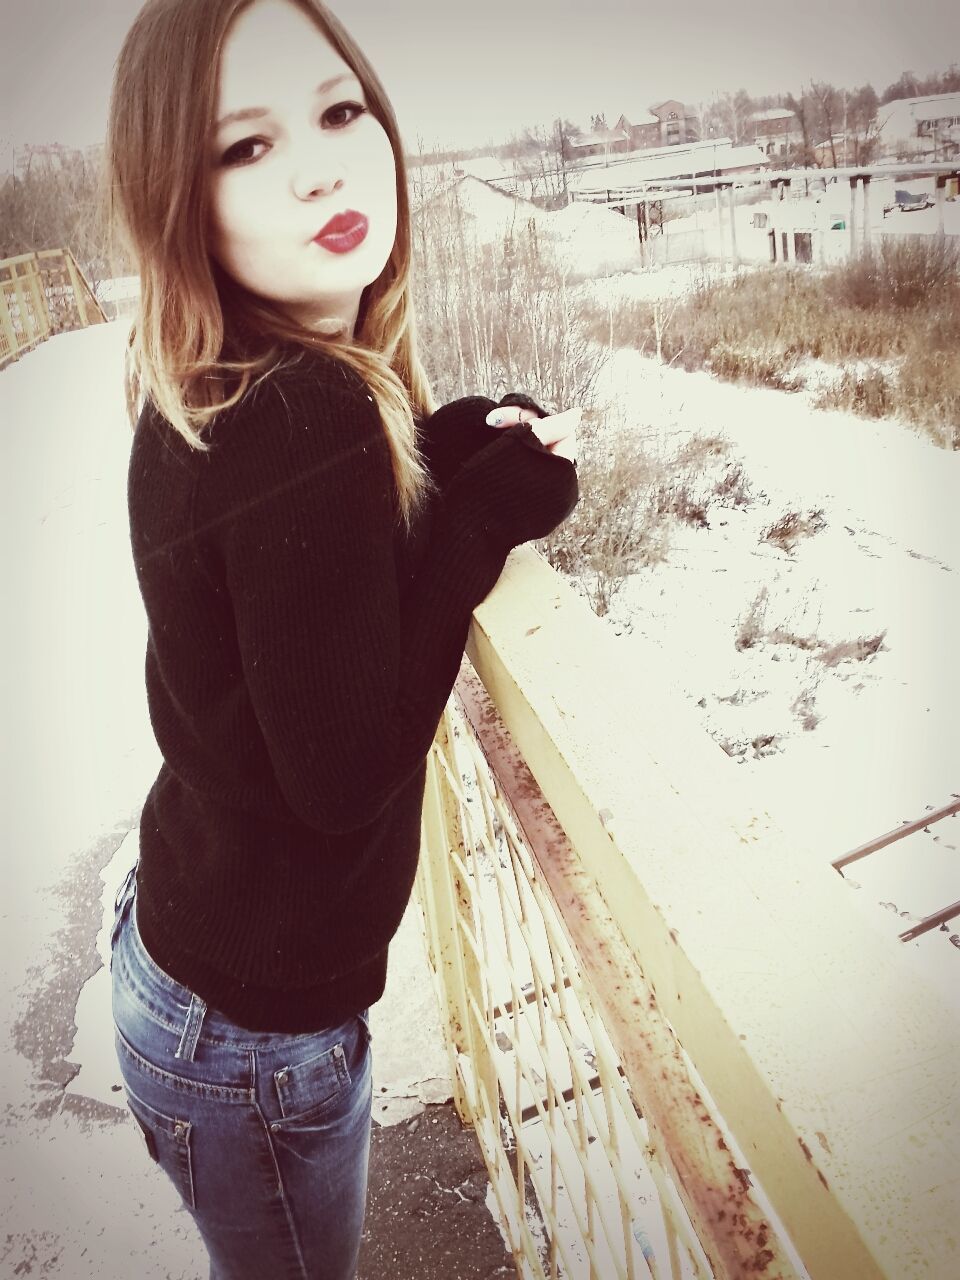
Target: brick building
776,131
665,124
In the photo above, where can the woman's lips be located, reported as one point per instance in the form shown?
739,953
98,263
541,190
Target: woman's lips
343,232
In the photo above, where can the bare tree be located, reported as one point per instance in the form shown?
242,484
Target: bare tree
498,314
862,123
56,207
803,109
729,115
830,103
540,156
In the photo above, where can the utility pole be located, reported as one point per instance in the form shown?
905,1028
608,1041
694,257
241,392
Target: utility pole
846,148
561,150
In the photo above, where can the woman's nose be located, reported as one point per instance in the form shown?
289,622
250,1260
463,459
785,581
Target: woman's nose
316,178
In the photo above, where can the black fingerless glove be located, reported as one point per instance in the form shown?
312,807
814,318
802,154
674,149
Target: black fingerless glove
458,430
520,400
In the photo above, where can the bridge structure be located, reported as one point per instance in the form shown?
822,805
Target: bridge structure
41,294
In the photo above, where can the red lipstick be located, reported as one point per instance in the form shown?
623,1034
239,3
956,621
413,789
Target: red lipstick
343,232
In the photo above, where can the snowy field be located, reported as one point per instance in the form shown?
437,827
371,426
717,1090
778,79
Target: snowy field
842,747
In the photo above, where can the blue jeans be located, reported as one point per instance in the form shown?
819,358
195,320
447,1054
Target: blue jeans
265,1136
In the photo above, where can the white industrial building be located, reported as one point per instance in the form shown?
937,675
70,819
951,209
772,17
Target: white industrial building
914,127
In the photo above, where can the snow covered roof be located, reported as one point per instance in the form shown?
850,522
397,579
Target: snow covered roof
641,117
935,99
899,118
492,212
772,113
487,168
687,109
598,138
672,162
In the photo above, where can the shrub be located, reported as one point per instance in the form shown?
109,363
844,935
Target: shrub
498,315
900,272
870,392
762,325
616,527
762,367
851,650
733,489
791,527
750,626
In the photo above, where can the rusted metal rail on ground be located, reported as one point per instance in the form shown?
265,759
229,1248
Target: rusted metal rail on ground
936,918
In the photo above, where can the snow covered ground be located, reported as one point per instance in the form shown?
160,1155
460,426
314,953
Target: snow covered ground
843,745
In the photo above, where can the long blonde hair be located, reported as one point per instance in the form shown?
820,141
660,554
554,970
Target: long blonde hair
200,340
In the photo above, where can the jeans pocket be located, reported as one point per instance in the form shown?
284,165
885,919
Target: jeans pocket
316,1089
168,1142
307,1091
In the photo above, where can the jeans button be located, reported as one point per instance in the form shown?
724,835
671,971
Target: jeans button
282,1077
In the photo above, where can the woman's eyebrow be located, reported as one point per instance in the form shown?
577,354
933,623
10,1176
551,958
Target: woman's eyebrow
253,113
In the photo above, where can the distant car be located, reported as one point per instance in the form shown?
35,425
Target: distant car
907,202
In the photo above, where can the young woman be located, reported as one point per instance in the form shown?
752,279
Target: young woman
310,540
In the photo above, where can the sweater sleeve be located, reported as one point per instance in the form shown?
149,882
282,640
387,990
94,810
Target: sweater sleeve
348,678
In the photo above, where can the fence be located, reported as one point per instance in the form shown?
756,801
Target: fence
676,246
682,1057
42,294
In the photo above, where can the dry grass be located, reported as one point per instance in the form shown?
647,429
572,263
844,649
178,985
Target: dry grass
791,527
898,307
733,488
851,650
630,499
803,707
616,527
753,629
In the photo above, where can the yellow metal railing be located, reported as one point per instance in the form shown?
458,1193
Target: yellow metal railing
663,1028
42,294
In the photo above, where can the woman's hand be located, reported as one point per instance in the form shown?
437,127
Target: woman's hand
557,432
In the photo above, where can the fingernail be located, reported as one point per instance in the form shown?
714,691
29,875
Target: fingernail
494,418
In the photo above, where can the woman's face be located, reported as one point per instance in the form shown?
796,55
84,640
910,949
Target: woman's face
308,160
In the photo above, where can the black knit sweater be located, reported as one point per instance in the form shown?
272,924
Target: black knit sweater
301,649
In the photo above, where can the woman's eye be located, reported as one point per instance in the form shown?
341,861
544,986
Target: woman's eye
234,154
343,113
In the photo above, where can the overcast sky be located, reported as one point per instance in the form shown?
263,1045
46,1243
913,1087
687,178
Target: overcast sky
464,73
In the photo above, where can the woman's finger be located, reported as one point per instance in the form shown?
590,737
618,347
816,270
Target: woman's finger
558,426
558,432
566,449
509,415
